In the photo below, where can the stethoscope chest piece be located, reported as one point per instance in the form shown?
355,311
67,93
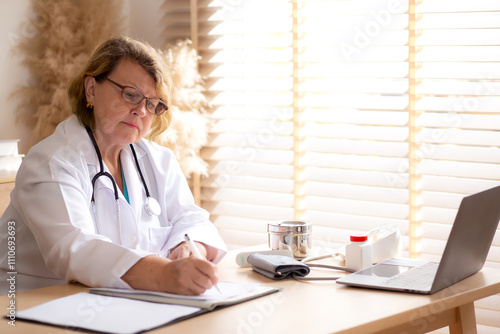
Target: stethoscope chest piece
152,206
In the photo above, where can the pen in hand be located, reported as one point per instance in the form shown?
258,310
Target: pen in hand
196,252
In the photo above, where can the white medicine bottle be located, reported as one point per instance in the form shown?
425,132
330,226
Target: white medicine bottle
358,253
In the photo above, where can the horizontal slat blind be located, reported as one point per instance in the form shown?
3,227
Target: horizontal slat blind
352,118
177,20
458,71
353,111
353,75
351,114
246,57
458,95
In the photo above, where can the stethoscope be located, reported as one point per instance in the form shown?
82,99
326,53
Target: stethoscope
152,207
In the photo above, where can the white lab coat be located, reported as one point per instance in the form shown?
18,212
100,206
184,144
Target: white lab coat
55,227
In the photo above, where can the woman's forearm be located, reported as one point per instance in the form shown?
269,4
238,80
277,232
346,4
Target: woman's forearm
146,273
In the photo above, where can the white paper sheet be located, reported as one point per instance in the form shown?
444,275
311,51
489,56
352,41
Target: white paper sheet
105,314
227,290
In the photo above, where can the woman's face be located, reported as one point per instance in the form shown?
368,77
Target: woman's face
117,122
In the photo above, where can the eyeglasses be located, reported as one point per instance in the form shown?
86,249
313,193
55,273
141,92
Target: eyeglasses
134,96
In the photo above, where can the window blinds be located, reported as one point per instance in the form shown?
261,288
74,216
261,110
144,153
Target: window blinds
305,126
457,118
457,60
353,116
350,114
247,57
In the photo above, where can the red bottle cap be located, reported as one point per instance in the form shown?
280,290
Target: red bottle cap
359,238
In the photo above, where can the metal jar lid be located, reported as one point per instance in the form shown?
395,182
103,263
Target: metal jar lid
289,227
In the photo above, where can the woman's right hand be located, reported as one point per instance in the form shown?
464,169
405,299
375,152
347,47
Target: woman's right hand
187,276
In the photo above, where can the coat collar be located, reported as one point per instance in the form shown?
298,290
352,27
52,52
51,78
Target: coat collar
82,142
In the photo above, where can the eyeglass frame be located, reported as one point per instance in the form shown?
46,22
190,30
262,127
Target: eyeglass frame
143,97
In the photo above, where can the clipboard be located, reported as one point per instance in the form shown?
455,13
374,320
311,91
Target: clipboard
133,311
232,293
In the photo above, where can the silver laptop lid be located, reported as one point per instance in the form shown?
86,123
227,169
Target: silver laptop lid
470,238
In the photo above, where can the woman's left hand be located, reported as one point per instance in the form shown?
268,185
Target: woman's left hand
182,250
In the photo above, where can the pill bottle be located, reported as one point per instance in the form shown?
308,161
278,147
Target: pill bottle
358,253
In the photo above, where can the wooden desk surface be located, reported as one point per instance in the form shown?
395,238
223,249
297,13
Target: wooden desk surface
6,186
303,307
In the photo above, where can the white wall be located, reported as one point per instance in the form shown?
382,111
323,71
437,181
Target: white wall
13,18
143,22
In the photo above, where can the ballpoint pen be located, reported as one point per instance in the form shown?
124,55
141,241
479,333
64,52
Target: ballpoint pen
196,252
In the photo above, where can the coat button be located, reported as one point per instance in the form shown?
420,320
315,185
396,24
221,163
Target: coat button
132,238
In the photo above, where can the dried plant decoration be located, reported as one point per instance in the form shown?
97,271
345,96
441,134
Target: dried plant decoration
188,131
65,33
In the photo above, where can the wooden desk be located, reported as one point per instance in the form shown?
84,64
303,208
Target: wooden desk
309,307
6,186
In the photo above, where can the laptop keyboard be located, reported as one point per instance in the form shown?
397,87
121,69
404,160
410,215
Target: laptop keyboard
420,278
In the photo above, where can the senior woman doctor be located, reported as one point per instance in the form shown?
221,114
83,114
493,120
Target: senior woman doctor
118,99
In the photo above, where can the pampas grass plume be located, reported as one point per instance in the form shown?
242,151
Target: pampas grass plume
65,34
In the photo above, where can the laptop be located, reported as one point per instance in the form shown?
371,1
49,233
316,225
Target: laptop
464,255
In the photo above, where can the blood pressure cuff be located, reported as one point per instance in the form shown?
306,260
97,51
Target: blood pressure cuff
277,266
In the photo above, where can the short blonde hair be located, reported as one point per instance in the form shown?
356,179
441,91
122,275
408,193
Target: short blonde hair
104,60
